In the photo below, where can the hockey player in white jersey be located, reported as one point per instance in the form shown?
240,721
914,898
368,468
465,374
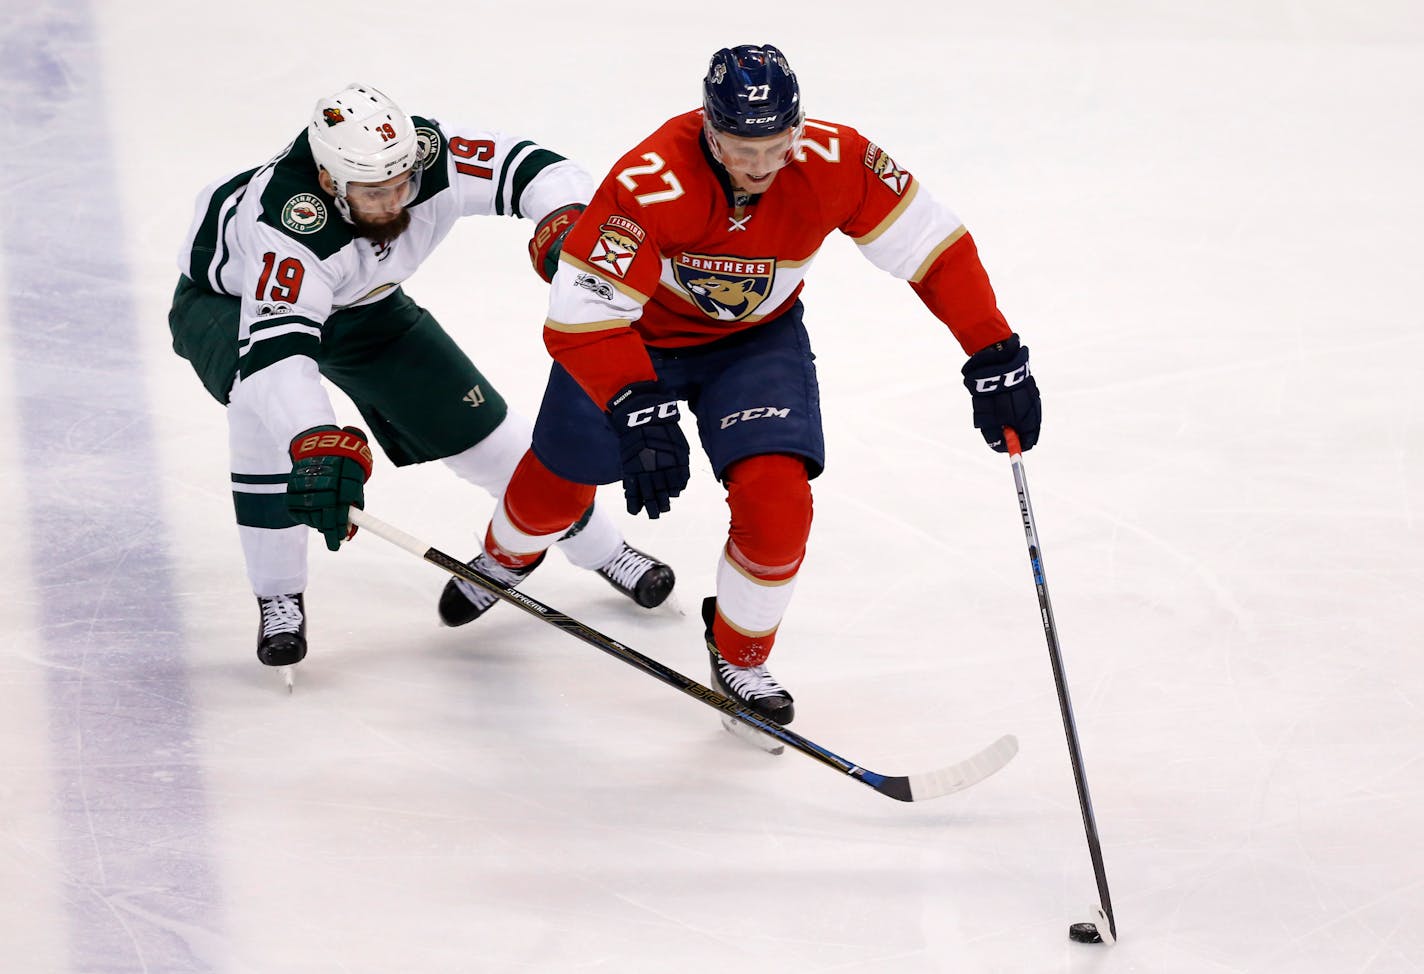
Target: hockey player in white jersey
292,271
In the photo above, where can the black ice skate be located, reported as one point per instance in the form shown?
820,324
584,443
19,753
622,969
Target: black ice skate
752,686
282,631
639,576
463,601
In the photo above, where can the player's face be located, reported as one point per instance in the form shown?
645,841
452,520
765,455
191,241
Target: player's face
752,163
383,202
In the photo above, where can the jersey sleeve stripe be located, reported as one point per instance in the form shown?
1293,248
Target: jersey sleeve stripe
278,332
584,327
504,206
944,245
275,349
204,264
256,479
890,217
535,163
267,324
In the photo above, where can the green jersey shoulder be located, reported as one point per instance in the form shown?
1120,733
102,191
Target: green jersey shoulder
294,203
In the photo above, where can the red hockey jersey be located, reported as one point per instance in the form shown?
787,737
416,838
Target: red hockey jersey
665,255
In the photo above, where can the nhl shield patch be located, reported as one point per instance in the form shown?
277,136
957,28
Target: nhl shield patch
304,213
725,288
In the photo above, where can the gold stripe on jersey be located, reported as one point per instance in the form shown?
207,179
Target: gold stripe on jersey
890,217
574,262
586,326
765,582
944,245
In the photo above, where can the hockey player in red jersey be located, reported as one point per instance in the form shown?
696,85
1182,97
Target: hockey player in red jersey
681,282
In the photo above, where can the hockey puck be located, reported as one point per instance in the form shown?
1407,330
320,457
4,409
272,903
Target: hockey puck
1085,933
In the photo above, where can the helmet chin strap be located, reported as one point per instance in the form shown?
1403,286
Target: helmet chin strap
343,207
330,185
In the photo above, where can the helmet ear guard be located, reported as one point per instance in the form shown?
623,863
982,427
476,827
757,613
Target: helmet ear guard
360,135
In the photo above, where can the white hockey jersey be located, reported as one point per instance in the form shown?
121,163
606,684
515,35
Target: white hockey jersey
272,238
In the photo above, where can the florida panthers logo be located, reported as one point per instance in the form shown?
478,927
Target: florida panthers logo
725,288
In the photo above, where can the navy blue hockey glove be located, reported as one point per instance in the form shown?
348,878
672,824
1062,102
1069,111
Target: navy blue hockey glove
330,467
548,240
1004,393
651,447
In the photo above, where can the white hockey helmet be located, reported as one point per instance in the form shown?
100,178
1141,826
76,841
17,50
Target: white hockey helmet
360,135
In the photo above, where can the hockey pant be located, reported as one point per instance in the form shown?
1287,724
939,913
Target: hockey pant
275,549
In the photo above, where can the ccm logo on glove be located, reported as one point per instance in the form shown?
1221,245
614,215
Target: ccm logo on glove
666,410
1006,381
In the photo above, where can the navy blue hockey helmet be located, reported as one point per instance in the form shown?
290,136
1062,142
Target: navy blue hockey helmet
750,90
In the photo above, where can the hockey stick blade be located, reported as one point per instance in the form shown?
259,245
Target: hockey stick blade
905,788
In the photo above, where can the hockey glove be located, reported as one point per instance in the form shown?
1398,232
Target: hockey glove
1004,393
329,468
651,447
548,240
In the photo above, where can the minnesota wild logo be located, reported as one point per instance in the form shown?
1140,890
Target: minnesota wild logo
427,146
304,213
332,116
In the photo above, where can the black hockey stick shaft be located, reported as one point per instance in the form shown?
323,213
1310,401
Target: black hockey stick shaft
1060,678
903,788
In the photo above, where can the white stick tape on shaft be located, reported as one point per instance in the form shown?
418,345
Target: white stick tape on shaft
390,533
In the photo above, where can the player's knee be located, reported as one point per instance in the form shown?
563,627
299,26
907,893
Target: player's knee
539,501
490,463
770,499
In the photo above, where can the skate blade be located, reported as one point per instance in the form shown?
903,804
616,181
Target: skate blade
671,606
289,676
753,736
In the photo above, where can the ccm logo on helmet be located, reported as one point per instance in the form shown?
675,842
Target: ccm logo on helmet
1006,381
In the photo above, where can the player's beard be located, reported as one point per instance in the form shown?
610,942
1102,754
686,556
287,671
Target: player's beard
382,234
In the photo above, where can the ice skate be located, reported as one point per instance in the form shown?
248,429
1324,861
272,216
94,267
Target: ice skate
462,602
639,576
752,686
282,633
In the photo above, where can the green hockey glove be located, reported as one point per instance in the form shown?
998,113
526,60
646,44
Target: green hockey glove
330,467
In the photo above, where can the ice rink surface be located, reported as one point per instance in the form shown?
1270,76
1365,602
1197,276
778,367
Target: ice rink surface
1204,219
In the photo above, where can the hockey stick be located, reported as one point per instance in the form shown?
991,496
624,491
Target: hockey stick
905,788
1085,932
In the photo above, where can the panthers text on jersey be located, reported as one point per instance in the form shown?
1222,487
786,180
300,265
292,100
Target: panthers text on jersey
668,254
271,237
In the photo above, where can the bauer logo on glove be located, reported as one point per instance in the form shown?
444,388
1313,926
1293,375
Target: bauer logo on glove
330,467
350,442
